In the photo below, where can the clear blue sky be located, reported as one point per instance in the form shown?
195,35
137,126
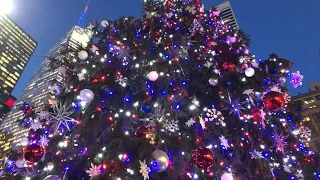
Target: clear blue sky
290,28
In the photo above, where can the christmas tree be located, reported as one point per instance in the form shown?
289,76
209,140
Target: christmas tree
172,95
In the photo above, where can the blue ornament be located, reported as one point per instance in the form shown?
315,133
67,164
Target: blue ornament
146,108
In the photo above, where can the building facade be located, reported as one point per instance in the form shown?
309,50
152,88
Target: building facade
310,107
16,48
227,14
36,91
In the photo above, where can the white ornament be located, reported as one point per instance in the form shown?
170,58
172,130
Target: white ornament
190,122
55,89
36,125
43,141
213,81
213,114
304,132
172,125
62,71
208,64
104,23
94,49
153,76
249,72
256,154
83,55
144,169
61,115
286,168
94,170
202,122
299,175
43,114
81,77
224,142
86,95
20,163
24,141
226,176
121,80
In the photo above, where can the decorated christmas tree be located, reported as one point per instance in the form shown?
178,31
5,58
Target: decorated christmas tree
172,95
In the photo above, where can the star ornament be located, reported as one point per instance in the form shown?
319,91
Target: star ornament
61,115
279,142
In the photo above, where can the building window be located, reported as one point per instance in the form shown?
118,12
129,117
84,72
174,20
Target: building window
318,116
308,100
318,97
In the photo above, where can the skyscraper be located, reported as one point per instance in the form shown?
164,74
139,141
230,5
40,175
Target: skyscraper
36,92
227,14
16,48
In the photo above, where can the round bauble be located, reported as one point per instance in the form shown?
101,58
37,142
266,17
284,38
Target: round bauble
213,81
249,72
86,95
153,76
283,79
273,100
83,55
226,176
33,153
104,23
20,163
24,141
256,115
62,71
203,157
160,161
52,177
146,108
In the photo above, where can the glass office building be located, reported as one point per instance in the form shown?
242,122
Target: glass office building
36,91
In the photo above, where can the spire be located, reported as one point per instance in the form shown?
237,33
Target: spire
83,14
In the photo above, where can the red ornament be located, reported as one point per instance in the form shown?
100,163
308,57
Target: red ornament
203,157
256,115
227,66
33,153
273,101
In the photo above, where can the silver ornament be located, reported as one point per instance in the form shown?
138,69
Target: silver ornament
282,79
213,81
160,161
52,177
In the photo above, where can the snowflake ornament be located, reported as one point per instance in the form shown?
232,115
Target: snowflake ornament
256,154
296,79
208,64
171,125
61,115
287,98
94,49
249,93
299,175
144,169
190,122
81,77
196,26
36,125
304,132
213,114
94,170
91,26
279,142
191,9
286,168
202,122
43,141
121,80
124,53
43,114
276,89
224,142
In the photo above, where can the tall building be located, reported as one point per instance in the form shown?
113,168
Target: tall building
16,48
36,91
227,14
310,107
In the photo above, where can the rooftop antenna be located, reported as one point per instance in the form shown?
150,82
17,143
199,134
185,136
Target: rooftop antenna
83,14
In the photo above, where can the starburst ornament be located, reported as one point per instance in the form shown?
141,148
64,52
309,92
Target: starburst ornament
156,116
235,106
279,142
256,154
224,142
61,115
94,170
144,169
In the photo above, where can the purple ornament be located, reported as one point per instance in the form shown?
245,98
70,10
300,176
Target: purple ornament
296,79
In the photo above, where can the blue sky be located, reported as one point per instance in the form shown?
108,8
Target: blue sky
290,28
